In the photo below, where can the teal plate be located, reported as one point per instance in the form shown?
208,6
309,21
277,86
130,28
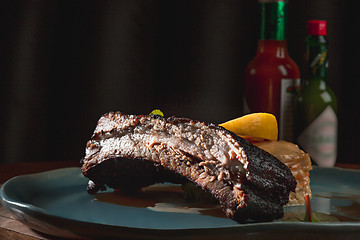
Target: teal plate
57,203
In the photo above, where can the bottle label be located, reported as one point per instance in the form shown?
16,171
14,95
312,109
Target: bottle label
289,89
317,61
319,139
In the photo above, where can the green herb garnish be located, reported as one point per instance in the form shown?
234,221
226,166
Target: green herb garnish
309,215
157,112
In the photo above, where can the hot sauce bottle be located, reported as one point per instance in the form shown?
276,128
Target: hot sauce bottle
272,78
316,104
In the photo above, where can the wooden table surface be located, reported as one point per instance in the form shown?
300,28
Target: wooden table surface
10,228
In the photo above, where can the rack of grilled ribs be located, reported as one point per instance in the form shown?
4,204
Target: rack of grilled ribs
128,152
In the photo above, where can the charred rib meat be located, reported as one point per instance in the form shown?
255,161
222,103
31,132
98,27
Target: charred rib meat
130,151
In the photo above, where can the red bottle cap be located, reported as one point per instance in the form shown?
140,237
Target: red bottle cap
316,27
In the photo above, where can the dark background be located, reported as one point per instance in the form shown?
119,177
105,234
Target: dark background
65,63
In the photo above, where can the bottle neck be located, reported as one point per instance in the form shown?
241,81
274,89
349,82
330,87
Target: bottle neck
272,47
316,58
273,20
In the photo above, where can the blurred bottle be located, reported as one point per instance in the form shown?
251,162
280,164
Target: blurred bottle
272,78
316,104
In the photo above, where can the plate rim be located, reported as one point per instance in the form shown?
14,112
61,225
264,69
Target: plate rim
26,212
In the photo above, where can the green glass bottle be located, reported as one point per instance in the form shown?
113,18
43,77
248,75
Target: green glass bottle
316,104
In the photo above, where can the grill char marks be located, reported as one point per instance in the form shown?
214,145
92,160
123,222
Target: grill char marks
129,152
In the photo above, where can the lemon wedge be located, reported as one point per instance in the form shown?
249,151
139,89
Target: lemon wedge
254,126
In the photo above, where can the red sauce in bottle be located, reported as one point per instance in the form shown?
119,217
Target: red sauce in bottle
272,78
